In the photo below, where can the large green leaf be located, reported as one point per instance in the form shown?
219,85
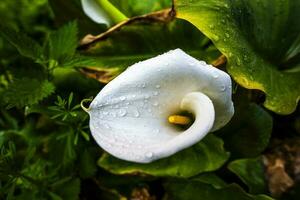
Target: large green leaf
139,41
261,40
197,189
251,172
248,132
207,155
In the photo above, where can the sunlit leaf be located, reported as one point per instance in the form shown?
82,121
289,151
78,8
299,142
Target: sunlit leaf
260,40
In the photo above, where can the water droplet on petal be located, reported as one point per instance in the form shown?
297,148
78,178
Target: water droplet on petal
122,98
122,112
202,63
106,126
191,63
223,88
215,74
149,154
136,113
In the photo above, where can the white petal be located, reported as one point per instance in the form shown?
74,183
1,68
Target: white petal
129,116
93,10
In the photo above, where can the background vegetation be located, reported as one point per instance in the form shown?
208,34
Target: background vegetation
46,151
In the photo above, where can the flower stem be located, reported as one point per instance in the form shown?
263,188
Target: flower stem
115,14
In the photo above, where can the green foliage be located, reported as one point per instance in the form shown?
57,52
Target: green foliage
251,172
46,151
207,155
27,91
259,55
248,133
191,189
63,42
123,48
24,44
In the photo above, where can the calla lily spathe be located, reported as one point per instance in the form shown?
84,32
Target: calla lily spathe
94,11
129,117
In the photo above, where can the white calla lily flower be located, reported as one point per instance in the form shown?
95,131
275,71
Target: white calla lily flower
129,117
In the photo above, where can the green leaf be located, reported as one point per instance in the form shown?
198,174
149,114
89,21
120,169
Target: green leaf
207,155
87,164
63,42
77,61
248,132
210,178
251,172
193,189
27,91
68,190
260,40
25,45
140,41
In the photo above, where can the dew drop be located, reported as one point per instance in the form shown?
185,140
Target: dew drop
157,86
155,103
227,35
149,154
122,112
215,74
143,85
202,63
223,88
155,93
191,64
136,113
216,38
106,126
122,98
